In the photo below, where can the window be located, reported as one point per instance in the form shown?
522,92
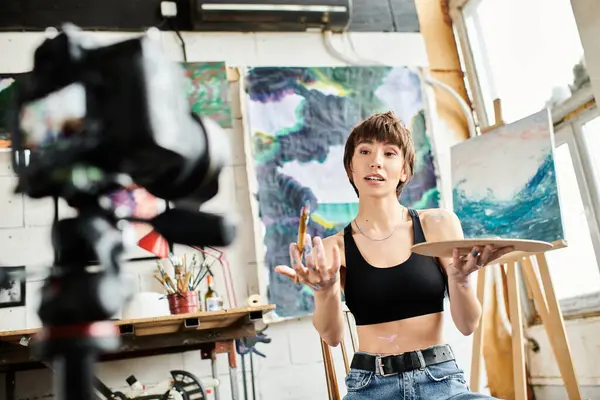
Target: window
524,52
574,269
591,136
514,46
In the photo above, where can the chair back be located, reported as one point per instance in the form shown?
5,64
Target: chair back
330,375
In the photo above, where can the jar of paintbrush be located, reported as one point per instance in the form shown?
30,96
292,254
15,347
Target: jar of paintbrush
182,293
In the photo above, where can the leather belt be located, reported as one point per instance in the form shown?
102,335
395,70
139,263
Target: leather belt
398,363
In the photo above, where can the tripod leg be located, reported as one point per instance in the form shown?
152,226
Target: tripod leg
9,385
75,378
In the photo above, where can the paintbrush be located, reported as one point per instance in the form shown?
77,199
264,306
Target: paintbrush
163,275
304,215
186,281
164,284
200,275
171,283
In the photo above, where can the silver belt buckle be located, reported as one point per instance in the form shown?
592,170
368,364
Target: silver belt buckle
422,363
380,368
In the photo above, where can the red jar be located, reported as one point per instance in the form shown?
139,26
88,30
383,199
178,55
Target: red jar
183,303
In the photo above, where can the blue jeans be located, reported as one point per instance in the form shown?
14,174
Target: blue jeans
442,381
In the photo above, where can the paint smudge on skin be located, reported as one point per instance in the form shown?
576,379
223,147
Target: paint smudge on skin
390,339
437,217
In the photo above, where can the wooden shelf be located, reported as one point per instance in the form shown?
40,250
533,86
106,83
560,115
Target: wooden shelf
150,336
169,323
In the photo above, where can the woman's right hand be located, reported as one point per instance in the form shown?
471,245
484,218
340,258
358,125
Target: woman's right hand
318,274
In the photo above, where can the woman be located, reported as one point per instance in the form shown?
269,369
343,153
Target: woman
396,296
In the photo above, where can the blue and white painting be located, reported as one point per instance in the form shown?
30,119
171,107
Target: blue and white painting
504,182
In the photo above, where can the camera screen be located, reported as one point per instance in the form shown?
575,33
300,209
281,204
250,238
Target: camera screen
54,117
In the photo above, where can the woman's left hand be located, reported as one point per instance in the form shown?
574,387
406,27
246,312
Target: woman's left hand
463,266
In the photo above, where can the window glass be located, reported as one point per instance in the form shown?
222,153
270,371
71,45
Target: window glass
574,269
524,52
591,136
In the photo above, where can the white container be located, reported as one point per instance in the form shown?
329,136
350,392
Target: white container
146,305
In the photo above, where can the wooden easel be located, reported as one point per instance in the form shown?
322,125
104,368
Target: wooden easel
498,121
545,302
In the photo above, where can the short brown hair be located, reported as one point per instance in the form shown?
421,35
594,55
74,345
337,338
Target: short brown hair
386,128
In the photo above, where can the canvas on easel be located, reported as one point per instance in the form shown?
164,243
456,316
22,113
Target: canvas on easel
504,182
505,185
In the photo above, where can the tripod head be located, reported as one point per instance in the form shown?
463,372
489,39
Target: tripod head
88,121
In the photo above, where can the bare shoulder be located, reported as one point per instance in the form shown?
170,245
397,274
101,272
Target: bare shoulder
437,213
440,224
334,240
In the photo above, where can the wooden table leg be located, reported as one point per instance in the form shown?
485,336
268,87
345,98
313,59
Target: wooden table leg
477,353
518,343
555,327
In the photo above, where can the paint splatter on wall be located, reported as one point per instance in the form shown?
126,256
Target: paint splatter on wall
207,89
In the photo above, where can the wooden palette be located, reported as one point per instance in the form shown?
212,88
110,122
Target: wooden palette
444,249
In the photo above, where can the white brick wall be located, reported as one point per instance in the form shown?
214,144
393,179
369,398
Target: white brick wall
293,368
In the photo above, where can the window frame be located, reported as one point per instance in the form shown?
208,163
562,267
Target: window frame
570,132
456,14
568,120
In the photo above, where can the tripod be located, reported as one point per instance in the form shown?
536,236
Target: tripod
77,300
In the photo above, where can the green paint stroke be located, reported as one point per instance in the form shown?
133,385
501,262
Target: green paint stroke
208,91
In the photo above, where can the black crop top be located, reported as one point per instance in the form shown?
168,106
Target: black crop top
375,295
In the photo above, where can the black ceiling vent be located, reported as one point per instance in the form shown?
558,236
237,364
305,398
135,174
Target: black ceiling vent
270,15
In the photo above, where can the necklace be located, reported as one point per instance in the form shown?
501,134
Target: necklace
385,238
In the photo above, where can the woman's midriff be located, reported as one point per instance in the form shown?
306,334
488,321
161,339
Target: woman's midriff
401,336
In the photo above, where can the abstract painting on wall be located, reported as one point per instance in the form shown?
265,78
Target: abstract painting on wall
6,90
300,119
504,182
207,89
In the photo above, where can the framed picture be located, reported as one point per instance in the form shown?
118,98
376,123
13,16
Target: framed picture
12,294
